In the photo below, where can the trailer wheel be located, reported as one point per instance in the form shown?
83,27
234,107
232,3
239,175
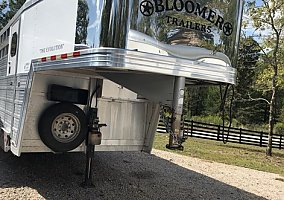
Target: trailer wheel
62,127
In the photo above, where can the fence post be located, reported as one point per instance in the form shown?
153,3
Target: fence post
280,142
240,140
218,134
191,128
187,127
261,135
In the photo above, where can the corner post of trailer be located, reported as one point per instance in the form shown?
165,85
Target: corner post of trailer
176,137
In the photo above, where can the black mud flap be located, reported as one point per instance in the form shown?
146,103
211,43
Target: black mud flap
4,141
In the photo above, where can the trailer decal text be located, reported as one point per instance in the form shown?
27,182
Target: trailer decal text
148,7
52,48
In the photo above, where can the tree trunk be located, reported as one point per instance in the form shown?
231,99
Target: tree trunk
274,88
271,112
271,125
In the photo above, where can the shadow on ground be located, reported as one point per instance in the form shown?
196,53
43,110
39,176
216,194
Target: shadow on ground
117,175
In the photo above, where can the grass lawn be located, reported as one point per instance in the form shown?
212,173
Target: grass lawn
234,154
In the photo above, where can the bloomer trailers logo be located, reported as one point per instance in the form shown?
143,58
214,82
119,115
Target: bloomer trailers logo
149,7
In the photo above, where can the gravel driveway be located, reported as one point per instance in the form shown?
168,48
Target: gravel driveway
129,175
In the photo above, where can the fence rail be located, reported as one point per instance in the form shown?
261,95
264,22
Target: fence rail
229,134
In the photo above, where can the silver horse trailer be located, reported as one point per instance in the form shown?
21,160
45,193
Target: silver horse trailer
64,64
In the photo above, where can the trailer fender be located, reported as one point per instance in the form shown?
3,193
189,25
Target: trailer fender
62,127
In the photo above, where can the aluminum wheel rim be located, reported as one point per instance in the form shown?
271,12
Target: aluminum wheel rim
65,127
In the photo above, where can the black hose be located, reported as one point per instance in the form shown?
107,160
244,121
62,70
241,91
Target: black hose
230,115
92,96
222,107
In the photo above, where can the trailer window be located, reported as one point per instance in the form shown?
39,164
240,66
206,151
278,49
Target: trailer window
6,50
14,44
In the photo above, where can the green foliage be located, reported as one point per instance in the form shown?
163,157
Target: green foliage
212,100
268,19
249,53
279,128
14,6
8,8
265,75
194,101
246,111
213,119
261,15
202,100
208,119
251,112
281,115
3,10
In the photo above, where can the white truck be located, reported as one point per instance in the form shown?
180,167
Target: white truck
129,56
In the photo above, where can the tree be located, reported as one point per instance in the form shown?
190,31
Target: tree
3,10
269,17
246,111
14,6
8,9
82,22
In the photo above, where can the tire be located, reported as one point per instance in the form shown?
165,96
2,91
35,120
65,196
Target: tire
62,127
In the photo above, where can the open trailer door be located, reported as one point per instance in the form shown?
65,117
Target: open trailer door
13,55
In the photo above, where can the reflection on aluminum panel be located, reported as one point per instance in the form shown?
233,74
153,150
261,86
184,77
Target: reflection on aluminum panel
211,25
102,23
